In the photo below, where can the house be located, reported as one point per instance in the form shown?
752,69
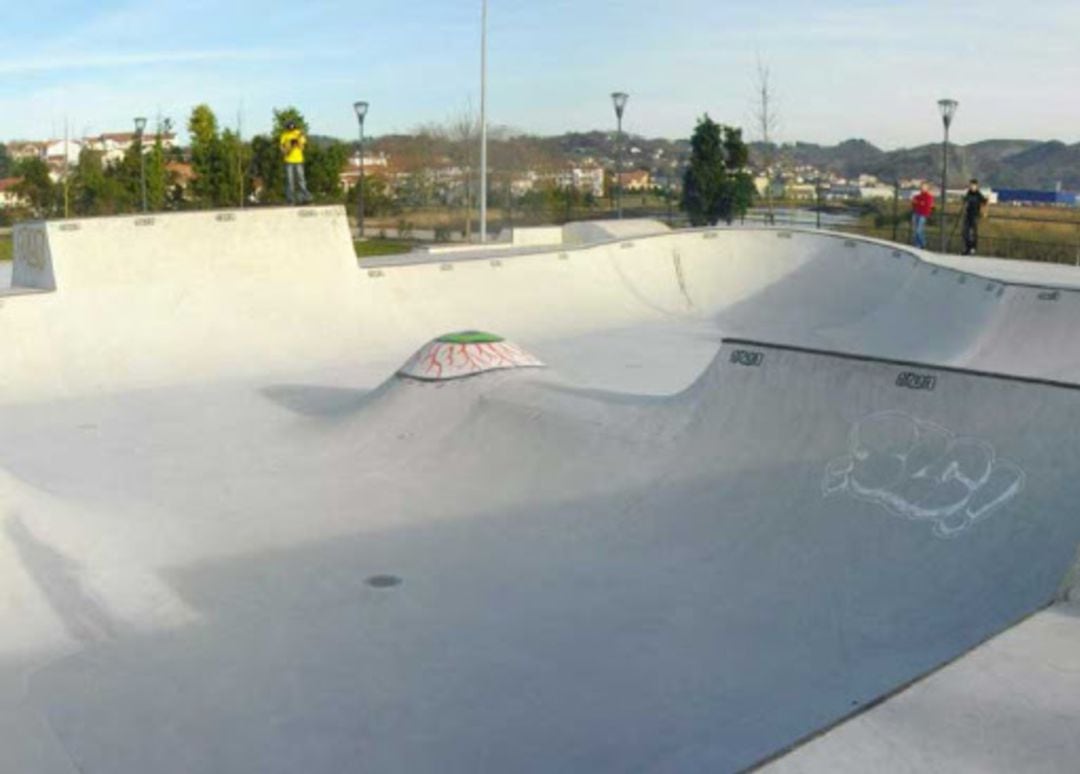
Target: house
586,179
180,172
26,149
377,165
638,180
9,196
801,191
113,145
57,151
876,191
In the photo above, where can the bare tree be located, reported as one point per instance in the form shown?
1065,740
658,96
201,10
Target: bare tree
767,121
462,133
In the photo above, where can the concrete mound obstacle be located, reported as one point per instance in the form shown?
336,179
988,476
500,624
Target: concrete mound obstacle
464,354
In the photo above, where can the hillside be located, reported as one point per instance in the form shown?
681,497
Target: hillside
998,163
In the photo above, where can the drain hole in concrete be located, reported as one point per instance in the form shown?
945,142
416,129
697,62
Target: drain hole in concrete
383,581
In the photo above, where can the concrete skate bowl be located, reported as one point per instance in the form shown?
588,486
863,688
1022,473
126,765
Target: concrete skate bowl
765,479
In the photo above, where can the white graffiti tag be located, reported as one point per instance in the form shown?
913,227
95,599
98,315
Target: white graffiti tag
923,472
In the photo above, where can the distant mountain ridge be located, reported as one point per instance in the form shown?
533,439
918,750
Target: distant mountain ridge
996,163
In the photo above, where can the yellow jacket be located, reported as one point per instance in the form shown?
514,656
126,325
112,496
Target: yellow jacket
292,146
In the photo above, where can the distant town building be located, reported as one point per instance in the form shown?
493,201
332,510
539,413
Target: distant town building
800,191
374,164
9,196
113,145
586,179
181,173
637,180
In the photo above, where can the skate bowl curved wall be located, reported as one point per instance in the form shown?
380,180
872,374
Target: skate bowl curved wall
108,304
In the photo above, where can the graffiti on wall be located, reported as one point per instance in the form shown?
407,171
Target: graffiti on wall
923,472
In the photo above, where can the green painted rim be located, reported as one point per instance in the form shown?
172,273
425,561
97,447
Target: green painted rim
470,337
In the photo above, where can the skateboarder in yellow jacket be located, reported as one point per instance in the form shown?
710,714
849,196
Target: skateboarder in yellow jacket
292,144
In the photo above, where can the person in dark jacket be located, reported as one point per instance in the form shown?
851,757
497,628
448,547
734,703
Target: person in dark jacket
973,207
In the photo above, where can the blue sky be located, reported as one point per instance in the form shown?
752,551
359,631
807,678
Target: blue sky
868,69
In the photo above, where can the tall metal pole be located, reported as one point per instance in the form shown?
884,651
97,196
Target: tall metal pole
483,123
67,154
895,208
944,189
817,200
948,110
142,173
618,168
361,109
360,195
140,126
619,100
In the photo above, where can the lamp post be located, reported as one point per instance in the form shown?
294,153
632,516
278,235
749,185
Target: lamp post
948,110
817,201
361,109
619,99
140,127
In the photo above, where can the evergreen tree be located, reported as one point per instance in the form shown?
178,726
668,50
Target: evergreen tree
96,190
5,162
717,185
323,163
207,160
37,187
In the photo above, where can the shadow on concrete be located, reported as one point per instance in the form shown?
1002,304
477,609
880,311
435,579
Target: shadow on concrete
316,401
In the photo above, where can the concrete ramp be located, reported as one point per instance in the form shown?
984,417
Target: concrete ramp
696,582
144,300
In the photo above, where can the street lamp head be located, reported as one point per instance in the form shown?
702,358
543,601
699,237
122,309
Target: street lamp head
361,110
619,98
140,125
948,110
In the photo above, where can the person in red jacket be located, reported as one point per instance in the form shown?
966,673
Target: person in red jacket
922,206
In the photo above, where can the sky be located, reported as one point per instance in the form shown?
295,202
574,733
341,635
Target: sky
858,69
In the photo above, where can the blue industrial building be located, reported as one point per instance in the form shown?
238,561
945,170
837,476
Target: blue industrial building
1025,196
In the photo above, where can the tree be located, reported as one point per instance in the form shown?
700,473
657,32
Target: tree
89,187
207,162
462,135
36,186
768,120
717,185
266,171
5,162
234,160
158,179
377,199
323,163
127,175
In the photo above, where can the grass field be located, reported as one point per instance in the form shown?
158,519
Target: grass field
1049,234
5,248
372,248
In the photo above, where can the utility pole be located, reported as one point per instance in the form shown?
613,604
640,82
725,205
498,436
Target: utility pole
67,155
483,122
